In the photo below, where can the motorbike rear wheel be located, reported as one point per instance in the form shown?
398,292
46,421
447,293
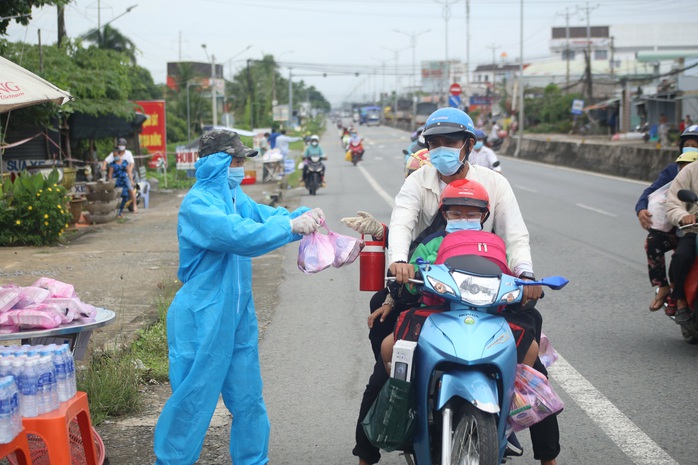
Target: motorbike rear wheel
474,438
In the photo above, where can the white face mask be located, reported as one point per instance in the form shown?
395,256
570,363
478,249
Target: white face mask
121,148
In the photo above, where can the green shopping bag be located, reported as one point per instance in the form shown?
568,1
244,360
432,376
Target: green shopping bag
390,422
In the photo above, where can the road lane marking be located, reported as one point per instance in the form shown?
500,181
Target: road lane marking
602,212
623,432
527,189
377,187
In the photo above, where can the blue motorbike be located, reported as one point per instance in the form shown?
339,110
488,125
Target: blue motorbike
465,363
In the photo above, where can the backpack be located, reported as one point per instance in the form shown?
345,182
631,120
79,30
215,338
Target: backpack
482,243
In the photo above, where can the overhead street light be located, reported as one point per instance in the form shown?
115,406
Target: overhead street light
213,85
413,43
98,31
396,51
189,84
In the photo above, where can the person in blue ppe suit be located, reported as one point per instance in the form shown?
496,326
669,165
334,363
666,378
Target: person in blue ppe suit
211,325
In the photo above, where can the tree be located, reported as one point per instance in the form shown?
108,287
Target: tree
110,38
22,7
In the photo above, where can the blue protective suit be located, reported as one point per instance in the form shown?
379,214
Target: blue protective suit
211,324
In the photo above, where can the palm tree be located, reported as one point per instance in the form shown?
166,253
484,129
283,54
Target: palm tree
111,39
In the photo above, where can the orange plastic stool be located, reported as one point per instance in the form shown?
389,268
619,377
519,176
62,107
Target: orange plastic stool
53,428
20,447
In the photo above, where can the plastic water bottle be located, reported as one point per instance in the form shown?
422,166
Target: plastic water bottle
70,370
50,372
60,365
13,393
25,374
8,425
6,366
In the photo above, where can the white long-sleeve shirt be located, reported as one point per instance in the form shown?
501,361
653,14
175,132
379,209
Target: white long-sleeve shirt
675,208
282,143
484,157
417,204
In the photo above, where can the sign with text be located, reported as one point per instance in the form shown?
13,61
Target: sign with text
153,137
577,106
185,158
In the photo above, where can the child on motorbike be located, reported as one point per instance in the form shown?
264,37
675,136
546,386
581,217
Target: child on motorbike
464,206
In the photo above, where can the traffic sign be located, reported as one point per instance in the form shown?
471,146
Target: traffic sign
455,89
577,106
454,101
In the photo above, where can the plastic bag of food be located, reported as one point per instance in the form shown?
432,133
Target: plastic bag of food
315,253
31,319
56,288
8,299
346,248
547,354
533,399
31,295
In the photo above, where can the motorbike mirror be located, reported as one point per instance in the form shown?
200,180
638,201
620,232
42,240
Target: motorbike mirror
405,152
553,282
495,164
686,195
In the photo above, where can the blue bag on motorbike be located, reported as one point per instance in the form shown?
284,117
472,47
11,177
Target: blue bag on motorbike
390,422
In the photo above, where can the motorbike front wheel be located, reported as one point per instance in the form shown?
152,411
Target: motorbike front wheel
475,438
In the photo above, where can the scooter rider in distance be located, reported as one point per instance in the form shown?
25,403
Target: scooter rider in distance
313,150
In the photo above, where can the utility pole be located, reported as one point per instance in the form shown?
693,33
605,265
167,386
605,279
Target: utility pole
213,90
494,47
467,41
520,129
290,97
613,58
180,46
588,11
567,48
446,15
61,24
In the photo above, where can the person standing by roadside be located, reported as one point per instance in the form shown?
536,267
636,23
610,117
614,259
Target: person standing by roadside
663,131
212,332
126,155
283,141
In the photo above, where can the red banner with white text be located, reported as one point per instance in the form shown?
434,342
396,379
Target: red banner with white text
153,137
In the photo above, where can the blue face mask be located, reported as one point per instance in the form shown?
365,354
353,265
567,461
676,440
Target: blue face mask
235,176
689,149
463,225
478,145
446,160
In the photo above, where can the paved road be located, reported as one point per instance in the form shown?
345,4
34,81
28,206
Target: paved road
625,374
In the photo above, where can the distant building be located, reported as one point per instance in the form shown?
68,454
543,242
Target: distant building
200,73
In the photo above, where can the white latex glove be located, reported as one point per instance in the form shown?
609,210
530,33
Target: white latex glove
316,214
364,223
303,225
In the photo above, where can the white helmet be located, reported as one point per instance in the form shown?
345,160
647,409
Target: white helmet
314,137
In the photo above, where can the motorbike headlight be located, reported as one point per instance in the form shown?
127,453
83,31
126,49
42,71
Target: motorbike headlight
477,290
440,287
509,297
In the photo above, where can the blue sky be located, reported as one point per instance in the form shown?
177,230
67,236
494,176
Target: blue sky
339,32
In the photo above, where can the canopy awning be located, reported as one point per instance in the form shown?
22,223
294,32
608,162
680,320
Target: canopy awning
20,88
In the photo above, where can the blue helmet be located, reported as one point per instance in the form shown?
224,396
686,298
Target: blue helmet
480,135
449,121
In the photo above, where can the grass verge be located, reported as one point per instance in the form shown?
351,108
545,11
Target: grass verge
112,378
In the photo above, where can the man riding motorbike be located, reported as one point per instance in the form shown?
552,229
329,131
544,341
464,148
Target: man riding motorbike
483,155
449,135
